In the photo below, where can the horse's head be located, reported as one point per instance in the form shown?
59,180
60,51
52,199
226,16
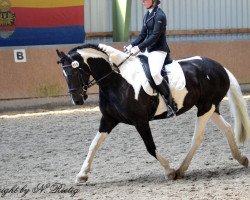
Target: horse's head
100,61
77,75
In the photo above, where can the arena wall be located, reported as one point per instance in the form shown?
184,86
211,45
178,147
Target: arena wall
40,76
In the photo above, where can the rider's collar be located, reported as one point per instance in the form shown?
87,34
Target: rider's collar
150,10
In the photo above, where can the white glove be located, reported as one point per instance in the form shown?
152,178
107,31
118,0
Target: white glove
135,50
128,48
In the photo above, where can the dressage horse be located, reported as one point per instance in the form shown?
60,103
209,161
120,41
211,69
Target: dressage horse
126,97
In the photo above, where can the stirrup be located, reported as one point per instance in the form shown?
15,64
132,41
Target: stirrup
170,112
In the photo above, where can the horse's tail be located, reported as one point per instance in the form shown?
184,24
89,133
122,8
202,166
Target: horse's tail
239,109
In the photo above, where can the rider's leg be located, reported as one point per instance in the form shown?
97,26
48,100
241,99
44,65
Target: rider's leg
163,88
156,60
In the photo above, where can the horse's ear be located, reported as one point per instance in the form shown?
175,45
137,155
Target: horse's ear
63,55
58,53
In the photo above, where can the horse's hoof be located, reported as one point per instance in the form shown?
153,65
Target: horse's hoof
171,175
80,180
179,175
245,163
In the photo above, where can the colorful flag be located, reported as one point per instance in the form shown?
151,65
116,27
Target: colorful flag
41,22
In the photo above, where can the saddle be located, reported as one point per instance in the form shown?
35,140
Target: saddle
145,65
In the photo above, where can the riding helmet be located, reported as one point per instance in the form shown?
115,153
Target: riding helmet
156,3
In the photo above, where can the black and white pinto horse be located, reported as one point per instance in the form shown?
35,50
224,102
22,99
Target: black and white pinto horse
125,96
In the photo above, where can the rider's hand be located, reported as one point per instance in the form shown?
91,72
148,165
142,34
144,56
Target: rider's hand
128,48
135,50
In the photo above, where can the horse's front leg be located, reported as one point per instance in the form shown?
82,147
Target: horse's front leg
82,176
104,130
144,130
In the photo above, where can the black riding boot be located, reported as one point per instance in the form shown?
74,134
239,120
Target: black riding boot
164,90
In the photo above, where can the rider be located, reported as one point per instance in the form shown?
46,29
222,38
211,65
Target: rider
152,39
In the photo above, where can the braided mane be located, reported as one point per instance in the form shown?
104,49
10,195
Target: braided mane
86,46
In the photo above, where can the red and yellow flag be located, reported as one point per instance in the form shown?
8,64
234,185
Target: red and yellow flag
41,22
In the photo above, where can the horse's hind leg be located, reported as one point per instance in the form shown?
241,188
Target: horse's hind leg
198,137
226,127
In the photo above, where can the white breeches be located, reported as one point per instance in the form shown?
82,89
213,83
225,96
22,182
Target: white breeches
156,60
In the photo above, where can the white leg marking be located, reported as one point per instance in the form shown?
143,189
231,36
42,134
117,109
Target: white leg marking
201,123
96,143
170,173
226,127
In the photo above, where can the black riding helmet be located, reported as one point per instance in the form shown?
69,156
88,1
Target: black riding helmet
156,3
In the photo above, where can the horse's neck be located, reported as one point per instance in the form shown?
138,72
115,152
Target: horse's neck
131,70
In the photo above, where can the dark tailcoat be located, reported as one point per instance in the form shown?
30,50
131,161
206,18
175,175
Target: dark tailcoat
153,33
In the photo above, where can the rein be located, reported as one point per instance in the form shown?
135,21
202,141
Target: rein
93,82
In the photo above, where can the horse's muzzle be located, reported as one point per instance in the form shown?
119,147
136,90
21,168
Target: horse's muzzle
78,96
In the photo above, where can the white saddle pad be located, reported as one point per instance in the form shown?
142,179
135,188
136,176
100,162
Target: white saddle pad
176,76
177,83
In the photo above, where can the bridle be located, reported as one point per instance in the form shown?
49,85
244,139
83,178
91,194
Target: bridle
83,87
93,82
